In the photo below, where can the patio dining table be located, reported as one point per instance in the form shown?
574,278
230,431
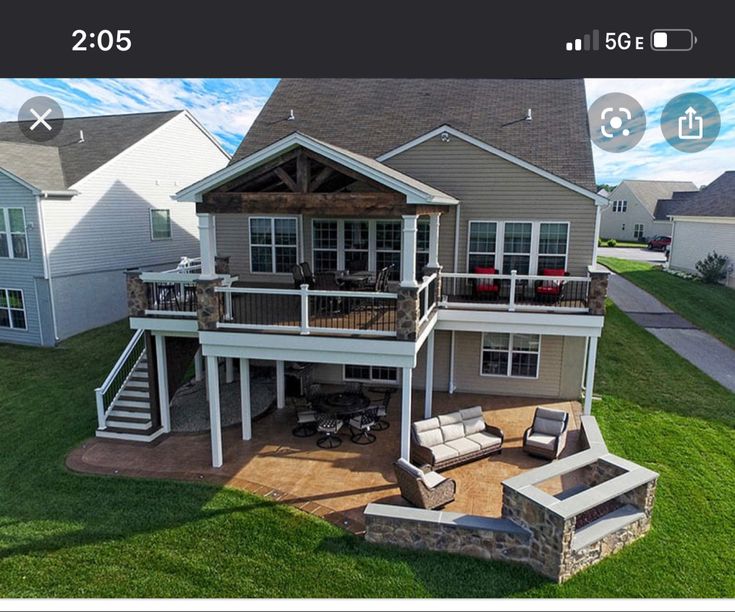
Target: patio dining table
343,405
355,280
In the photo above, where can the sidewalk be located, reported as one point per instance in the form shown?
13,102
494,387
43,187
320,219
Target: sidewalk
696,346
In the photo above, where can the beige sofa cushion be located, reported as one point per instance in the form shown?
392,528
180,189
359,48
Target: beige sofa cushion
464,446
427,433
549,421
452,426
432,479
442,452
541,441
485,439
473,420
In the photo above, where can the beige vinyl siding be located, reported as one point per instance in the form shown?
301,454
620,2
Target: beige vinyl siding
693,240
560,369
441,363
493,189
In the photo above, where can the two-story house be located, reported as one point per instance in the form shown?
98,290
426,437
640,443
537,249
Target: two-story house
631,214
450,227
77,210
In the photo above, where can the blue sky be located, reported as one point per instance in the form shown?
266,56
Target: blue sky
227,107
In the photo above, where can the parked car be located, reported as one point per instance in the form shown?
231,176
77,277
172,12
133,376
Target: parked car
659,243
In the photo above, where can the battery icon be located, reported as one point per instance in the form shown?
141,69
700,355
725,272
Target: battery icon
673,40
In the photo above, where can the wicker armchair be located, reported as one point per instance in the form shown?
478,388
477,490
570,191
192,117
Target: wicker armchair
547,435
422,487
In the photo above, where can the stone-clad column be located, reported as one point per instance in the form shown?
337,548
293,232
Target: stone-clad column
209,303
407,313
597,291
137,294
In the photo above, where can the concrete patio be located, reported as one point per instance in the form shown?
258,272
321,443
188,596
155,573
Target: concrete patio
336,484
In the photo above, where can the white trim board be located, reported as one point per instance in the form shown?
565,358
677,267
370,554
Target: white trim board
596,198
389,177
169,327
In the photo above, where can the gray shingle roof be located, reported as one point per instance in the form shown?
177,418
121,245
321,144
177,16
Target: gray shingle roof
650,192
35,164
715,200
105,137
374,116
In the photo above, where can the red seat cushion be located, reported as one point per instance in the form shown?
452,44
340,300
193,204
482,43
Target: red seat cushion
554,272
548,289
485,286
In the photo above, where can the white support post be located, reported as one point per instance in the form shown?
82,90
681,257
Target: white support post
215,420
162,373
512,296
101,421
229,370
247,426
198,365
434,241
407,379
305,310
429,386
590,382
408,251
207,244
452,386
280,385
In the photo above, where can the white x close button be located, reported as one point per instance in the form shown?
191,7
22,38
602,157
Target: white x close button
41,119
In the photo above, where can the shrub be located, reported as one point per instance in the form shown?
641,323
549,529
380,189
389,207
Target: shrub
612,242
600,242
713,268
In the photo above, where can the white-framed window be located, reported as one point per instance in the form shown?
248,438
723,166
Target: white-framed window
482,245
422,246
528,247
357,245
12,309
325,243
13,237
160,224
510,355
274,244
370,374
553,241
619,206
388,246
638,231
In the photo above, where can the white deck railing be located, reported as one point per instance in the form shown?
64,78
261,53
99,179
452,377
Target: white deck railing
427,297
304,310
514,292
110,389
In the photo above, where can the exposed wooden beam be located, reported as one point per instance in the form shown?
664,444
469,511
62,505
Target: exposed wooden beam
303,172
269,166
287,180
319,179
375,205
325,161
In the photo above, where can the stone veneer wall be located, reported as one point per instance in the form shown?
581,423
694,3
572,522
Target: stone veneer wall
597,291
536,528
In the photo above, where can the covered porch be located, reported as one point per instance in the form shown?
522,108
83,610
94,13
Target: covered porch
334,483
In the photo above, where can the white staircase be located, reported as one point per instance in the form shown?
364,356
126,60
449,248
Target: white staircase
123,401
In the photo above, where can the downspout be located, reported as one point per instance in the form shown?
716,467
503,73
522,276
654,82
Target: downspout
46,265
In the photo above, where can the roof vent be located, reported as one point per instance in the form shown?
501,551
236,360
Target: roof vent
444,136
291,116
529,115
81,137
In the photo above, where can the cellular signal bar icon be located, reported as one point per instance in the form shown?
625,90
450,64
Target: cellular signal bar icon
586,43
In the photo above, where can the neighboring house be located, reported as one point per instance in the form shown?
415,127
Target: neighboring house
703,222
630,215
78,210
475,211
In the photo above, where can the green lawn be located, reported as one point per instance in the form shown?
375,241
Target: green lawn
62,534
711,307
622,244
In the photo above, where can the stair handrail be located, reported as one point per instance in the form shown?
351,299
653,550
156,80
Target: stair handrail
100,391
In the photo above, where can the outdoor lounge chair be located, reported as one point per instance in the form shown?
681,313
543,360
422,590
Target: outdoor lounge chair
422,487
548,434
485,289
550,291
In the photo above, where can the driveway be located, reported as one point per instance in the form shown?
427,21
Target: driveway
707,353
633,254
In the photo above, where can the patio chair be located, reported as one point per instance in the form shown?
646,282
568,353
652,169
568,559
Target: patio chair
550,291
485,289
548,433
422,487
330,427
360,426
309,277
306,420
381,408
354,387
314,394
298,276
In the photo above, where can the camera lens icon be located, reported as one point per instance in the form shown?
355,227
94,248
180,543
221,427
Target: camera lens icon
617,122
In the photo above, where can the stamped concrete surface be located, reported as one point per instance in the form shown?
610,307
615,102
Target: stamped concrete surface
696,346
